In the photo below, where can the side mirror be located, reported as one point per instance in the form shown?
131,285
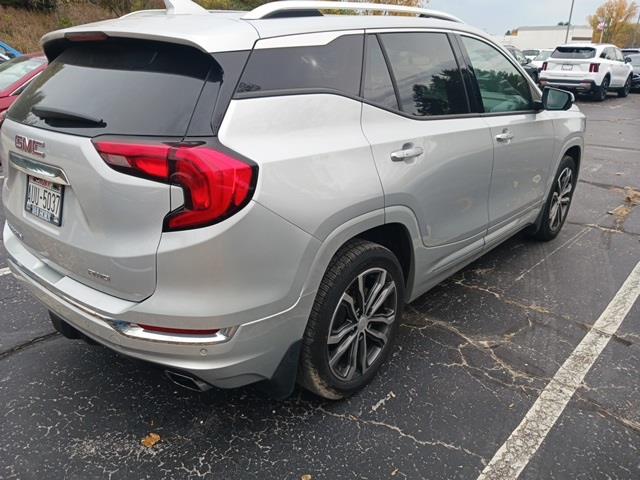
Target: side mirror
527,61
555,99
627,59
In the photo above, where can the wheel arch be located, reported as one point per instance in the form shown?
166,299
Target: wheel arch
398,231
395,237
575,152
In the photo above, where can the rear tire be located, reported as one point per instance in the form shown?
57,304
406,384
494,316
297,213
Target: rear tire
354,320
556,207
600,92
624,91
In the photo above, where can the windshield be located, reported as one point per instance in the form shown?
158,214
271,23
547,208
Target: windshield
635,60
14,70
531,53
542,56
574,52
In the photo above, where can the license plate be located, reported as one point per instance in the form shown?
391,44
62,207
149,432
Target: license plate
44,200
567,67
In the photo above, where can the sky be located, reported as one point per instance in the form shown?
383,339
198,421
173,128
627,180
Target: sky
498,16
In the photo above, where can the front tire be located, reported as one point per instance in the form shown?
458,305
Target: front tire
354,320
624,91
556,208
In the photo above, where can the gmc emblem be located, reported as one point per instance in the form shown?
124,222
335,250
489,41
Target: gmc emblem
30,145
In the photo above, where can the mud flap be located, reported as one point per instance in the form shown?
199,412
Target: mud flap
281,385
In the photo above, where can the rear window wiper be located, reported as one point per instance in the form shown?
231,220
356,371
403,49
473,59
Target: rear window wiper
60,115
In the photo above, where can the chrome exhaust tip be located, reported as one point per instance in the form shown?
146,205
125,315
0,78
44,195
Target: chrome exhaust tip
187,381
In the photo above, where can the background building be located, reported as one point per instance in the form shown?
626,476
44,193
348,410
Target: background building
547,37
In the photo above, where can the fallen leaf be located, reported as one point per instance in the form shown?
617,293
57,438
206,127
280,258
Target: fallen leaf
632,196
150,440
306,476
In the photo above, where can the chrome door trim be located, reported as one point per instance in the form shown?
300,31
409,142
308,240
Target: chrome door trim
38,169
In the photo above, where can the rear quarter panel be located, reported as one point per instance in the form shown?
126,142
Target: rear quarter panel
316,166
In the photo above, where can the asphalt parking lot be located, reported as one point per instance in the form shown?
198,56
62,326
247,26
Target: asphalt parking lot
473,357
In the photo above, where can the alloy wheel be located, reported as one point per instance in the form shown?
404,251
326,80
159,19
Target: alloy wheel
561,199
361,323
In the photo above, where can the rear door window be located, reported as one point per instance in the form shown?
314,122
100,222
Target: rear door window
133,87
502,87
426,73
378,86
577,53
618,54
336,66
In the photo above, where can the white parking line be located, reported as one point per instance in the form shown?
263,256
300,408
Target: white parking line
514,455
4,271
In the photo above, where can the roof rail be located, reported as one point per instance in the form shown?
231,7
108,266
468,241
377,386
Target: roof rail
271,9
180,7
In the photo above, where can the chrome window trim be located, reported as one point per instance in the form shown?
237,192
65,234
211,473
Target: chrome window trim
315,39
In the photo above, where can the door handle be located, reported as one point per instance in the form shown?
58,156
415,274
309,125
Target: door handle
408,151
505,137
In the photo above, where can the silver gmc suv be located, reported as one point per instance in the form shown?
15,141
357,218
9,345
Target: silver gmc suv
247,197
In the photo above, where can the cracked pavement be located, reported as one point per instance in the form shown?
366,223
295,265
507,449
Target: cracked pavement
473,355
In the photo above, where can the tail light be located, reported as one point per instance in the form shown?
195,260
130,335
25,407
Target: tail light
215,184
594,68
544,65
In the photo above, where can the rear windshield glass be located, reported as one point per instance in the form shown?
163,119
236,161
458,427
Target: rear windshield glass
137,88
14,70
574,52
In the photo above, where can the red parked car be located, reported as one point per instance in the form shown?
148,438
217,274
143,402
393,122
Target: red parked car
15,75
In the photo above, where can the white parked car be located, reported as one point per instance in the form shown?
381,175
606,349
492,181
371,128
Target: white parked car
531,53
543,56
588,68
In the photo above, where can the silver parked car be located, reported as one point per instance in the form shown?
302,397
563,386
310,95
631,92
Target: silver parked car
253,196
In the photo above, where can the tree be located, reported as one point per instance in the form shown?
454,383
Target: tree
618,16
30,4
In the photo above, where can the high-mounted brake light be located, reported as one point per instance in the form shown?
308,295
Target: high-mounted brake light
545,65
215,184
86,36
594,68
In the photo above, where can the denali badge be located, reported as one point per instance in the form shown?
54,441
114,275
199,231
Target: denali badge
98,275
30,145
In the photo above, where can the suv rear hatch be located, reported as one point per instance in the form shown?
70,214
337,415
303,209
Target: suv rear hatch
571,61
95,223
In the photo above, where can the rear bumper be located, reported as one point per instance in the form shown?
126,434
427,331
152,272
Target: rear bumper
567,84
252,353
